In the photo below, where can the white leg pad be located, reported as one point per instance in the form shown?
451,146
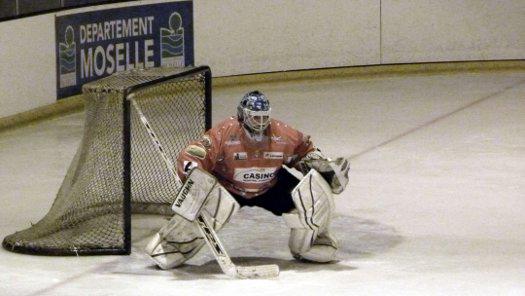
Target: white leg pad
180,239
310,221
176,242
322,250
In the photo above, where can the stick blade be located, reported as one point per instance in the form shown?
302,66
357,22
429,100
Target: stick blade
258,271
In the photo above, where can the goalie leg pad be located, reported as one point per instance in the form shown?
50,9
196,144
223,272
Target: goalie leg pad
176,242
323,248
310,221
180,239
314,203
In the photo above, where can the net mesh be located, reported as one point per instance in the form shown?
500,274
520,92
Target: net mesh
88,215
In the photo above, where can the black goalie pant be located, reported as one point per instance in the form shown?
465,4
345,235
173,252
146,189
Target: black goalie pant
278,199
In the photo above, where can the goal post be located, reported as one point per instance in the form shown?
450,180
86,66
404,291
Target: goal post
116,170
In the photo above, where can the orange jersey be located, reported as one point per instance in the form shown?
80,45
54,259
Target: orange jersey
242,165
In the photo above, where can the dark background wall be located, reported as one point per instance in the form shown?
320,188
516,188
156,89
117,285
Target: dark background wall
10,9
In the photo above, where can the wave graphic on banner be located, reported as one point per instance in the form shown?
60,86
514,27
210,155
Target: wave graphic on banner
172,42
68,67
173,46
67,59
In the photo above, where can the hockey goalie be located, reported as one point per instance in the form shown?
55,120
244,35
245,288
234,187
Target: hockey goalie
238,163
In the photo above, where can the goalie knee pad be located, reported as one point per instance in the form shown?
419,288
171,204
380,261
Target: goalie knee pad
180,239
310,221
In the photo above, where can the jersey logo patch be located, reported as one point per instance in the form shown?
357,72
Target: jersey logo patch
233,140
206,141
277,139
254,175
273,155
240,156
196,151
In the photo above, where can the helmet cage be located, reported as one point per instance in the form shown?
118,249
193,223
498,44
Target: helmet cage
257,121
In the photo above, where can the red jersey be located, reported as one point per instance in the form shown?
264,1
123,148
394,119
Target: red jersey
242,165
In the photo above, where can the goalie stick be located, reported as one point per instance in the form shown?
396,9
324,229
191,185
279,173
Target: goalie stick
209,234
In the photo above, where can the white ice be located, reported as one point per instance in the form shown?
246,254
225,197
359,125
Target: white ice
435,204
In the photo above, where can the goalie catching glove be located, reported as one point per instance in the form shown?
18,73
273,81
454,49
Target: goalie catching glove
335,172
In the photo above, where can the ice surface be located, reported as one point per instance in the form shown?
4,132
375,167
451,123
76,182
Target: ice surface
435,204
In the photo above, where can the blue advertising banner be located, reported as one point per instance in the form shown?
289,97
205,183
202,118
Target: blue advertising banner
96,44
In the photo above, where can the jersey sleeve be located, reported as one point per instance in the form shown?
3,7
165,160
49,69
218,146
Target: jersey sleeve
304,146
202,153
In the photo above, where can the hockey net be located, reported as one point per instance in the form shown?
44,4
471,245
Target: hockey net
116,169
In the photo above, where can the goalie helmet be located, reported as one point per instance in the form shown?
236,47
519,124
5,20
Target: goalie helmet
254,112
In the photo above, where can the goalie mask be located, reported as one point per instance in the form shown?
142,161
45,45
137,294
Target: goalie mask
254,112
